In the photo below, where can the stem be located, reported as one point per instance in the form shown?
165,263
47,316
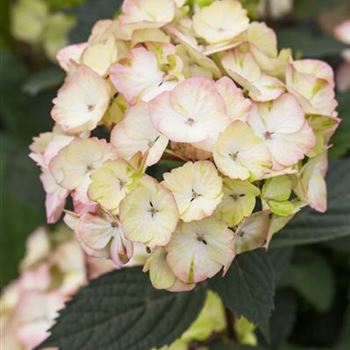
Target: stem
230,319
171,153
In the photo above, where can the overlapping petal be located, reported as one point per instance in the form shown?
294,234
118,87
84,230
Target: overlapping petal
136,74
78,107
220,21
193,112
282,126
199,250
136,133
197,188
240,154
149,214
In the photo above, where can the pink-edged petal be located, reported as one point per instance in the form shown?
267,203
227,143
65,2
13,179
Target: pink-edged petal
70,53
236,104
78,107
136,74
288,149
193,112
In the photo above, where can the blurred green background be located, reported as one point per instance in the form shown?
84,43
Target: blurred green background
312,299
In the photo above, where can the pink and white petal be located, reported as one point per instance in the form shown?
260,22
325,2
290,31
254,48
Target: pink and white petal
181,287
156,152
263,38
70,53
324,101
83,207
55,197
136,73
95,231
197,96
236,104
57,143
317,193
268,88
288,149
286,115
242,68
141,14
153,92
54,205
174,125
77,107
317,68
121,250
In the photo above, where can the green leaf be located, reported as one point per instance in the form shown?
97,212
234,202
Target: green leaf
21,205
43,80
120,311
223,344
59,4
311,8
248,288
280,260
162,167
22,115
90,12
308,42
11,77
344,339
312,277
4,23
309,226
341,139
282,319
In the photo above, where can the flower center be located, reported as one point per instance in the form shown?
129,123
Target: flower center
268,135
234,155
190,121
195,195
201,239
90,107
235,197
241,234
152,210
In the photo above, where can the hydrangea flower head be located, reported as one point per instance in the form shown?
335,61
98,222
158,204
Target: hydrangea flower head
210,138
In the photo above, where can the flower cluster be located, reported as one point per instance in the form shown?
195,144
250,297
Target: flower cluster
53,269
195,88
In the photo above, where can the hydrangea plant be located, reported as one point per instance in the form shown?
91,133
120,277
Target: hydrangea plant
183,138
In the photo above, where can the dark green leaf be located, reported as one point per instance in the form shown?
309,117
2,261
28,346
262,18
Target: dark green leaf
90,12
59,4
282,319
162,167
11,77
4,23
46,79
341,139
308,42
21,205
280,260
21,115
120,311
344,341
223,344
312,277
248,288
311,227
311,8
